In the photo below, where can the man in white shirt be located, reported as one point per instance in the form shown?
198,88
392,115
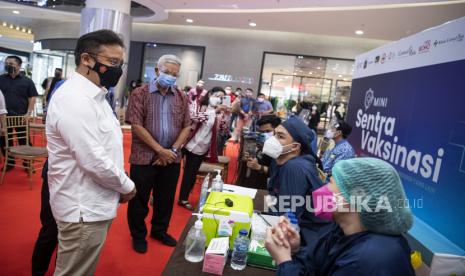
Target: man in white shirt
86,164
3,113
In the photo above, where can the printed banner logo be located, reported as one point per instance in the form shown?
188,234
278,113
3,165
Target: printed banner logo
406,52
370,100
369,97
424,47
457,38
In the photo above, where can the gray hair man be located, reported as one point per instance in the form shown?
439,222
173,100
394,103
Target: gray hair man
159,116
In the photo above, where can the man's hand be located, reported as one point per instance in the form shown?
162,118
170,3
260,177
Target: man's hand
126,197
278,250
252,163
165,157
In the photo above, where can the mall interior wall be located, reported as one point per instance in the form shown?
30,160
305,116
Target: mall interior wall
234,52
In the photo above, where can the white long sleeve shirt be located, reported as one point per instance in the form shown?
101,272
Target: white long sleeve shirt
201,141
85,146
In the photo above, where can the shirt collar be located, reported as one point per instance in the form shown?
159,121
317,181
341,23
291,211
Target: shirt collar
89,87
19,76
341,141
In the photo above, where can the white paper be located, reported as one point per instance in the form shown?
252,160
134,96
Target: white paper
233,189
445,264
218,246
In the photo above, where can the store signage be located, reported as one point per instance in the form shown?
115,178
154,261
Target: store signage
407,109
230,78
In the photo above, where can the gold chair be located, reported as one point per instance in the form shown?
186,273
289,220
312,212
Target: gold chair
37,130
224,162
17,128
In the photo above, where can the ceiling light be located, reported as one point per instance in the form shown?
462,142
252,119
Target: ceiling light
23,30
32,41
252,24
318,68
339,76
17,28
15,12
359,32
344,79
11,26
4,24
29,31
188,20
310,73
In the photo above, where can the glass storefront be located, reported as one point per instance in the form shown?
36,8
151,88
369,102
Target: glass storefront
290,79
191,58
44,63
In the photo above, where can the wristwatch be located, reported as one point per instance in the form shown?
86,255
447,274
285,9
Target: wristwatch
174,150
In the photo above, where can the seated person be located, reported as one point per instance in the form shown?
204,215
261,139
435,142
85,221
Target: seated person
363,241
266,126
293,172
342,149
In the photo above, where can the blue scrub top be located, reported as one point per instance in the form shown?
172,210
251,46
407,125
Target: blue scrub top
362,254
298,177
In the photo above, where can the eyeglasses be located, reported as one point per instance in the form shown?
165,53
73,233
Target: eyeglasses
176,75
113,61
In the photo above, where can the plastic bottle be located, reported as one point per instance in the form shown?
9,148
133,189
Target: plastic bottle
241,247
295,224
203,192
217,185
195,242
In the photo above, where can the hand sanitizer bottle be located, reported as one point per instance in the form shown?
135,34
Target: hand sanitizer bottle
195,242
217,185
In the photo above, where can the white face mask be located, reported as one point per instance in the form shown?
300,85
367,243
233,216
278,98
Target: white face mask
273,148
329,134
314,108
214,101
260,100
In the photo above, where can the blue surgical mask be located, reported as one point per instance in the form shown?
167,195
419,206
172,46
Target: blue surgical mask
166,80
264,136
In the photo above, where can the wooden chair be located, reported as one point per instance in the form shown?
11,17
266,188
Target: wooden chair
224,162
33,157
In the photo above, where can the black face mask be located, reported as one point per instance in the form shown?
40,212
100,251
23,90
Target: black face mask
109,76
10,69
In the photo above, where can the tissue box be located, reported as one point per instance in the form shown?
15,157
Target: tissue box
216,256
259,256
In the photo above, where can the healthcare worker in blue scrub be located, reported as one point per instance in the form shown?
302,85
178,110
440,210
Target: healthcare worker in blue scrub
366,240
342,149
293,173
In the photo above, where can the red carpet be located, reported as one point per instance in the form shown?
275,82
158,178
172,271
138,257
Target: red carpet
20,224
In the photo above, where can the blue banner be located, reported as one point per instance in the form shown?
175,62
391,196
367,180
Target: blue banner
415,119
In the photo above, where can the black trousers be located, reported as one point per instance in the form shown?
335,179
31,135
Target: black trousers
162,181
47,240
191,167
221,143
